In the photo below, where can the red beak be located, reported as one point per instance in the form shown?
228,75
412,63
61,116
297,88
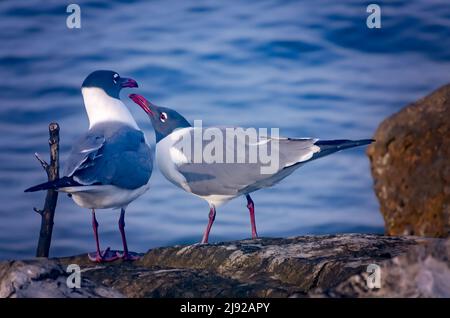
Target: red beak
128,82
141,101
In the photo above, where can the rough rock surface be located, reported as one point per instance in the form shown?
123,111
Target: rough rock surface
411,167
423,271
43,278
268,267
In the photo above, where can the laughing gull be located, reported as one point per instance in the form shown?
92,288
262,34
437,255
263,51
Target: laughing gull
111,164
218,183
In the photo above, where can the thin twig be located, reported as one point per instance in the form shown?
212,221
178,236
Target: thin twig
38,211
43,163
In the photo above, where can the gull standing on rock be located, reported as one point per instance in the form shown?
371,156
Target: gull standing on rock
220,182
110,165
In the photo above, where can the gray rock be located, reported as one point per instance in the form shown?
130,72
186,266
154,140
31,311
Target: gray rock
308,266
43,278
424,271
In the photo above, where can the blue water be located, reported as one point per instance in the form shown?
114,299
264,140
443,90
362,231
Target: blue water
310,68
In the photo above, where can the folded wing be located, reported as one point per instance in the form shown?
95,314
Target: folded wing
111,155
238,170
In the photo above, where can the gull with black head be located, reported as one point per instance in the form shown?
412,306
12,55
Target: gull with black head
111,164
219,182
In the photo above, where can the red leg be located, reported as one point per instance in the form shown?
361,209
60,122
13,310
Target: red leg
99,256
251,209
95,228
212,216
126,255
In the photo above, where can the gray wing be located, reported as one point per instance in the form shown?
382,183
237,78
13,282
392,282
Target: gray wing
111,154
84,153
207,177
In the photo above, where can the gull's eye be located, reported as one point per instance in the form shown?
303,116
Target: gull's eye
163,117
115,78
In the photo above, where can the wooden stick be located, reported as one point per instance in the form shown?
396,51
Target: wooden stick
48,212
43,163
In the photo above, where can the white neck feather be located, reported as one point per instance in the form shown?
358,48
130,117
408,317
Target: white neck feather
101,107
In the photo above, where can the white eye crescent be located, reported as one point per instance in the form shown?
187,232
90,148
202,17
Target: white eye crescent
115,77
163,117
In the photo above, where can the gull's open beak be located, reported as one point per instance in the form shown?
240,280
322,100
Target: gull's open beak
128,82
141,101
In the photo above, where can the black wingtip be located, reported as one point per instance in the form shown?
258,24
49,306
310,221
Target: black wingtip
44,186
55,185
361,142
366,141
34,188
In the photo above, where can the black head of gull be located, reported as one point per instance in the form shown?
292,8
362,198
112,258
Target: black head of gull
164,120
109,81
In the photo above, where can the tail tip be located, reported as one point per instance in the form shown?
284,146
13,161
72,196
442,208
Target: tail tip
31,189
